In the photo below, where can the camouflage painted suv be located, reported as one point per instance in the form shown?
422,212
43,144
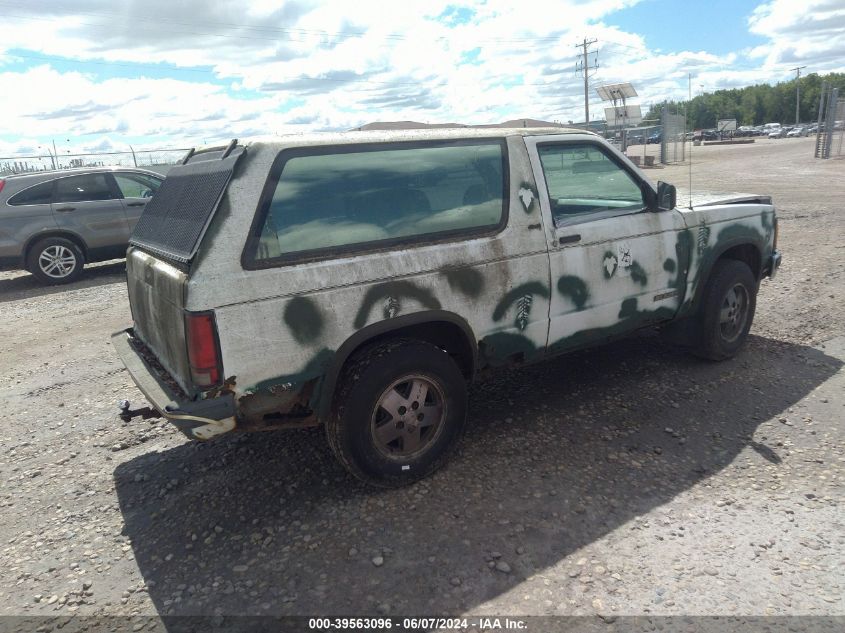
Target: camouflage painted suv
360,280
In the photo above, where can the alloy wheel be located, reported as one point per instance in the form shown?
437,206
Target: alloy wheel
408,417
57,261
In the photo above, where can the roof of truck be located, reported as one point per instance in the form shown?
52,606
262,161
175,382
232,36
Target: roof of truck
392,136
314,139
430,134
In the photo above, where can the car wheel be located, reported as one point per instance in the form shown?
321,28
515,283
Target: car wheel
727,310
55,260
399,410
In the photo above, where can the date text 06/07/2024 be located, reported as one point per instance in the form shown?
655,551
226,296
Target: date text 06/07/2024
416,624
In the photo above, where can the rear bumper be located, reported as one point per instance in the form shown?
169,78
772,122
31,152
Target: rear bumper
198,419
772,265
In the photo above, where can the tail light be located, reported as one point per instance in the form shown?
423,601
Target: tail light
2,183
203,349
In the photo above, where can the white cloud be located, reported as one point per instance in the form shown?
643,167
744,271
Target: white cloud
811,32
303,65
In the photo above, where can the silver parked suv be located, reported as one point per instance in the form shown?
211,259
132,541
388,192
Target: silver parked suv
52,223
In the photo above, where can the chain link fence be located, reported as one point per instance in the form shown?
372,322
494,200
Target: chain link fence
636,142
153,159
673,142
831,125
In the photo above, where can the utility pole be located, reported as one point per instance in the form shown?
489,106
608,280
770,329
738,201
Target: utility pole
692,129
797,91
585,67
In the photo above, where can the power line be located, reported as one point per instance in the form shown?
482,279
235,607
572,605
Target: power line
276,80
210,71
585,68
797,91
156,22
639,49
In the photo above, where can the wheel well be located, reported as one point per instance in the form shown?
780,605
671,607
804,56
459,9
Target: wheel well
447,336
746,253
445,330
68,236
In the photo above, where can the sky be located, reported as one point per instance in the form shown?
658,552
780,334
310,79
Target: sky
104,75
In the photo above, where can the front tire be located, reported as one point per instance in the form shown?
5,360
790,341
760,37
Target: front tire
55,260
399,411
727,310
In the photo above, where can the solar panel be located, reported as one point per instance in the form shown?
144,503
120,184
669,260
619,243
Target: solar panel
613,92
623,115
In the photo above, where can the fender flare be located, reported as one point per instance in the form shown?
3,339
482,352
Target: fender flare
379,330
710,262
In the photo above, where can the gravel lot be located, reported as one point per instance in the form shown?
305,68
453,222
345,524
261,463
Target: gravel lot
632,479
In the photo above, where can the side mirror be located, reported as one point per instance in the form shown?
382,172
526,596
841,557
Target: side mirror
666,196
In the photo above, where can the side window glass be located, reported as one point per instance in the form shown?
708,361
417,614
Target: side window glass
137,185
87,188
363,197
39,194
582,179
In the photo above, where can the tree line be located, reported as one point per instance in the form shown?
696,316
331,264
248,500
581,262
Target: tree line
754,105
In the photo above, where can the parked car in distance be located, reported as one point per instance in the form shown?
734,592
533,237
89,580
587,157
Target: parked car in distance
54,222
797,132
360,280
657,137
778,133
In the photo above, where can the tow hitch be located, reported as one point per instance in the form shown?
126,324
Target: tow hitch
145,413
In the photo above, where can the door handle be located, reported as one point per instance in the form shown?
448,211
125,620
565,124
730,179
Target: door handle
569,239
66,209
135,204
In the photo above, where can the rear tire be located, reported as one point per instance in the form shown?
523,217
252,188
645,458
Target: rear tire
55,260
727,310
399,411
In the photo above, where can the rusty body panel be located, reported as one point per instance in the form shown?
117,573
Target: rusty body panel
515,295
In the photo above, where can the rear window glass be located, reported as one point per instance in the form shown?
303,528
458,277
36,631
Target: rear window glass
87,188
357,197
39,194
